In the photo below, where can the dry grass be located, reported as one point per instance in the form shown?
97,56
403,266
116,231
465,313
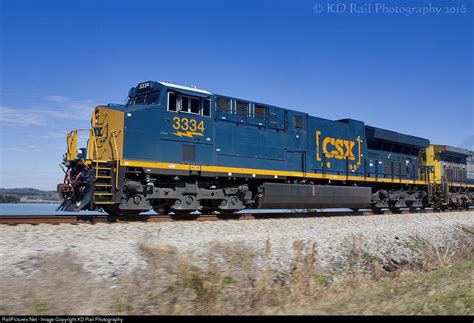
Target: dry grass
57,285
240,280
231,283
432,255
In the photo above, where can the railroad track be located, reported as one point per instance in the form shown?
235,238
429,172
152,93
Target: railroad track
92,219
79,219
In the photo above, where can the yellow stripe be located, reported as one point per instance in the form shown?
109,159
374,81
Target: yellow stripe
134,163
251,171
461,185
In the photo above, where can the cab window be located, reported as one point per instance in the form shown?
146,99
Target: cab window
146,98
172,97
189,104
153,97
206,108
184,104
194,105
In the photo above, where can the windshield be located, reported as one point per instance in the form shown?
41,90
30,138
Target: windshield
145,98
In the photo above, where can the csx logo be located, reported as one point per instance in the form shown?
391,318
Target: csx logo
338,148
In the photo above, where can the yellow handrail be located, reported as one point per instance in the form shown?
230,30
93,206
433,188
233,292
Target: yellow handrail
95,157
74,133
115,144
92,134
118,158
95,145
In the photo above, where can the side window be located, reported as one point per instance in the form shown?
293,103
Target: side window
298,122
195,106
206,108
184,104
242,108
223,105
260,112
172,97
188,104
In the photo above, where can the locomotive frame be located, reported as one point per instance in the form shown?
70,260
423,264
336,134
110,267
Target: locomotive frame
179,149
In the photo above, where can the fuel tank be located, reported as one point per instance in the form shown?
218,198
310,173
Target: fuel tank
298,196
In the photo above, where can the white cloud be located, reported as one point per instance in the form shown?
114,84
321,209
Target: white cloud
468,142
19,117
35,146
56,98
59,107
18,150
50,135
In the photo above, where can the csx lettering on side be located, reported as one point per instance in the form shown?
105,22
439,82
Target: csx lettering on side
338,148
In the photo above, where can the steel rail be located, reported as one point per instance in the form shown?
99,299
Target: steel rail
92,219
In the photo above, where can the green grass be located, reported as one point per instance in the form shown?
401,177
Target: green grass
446,290
122,308
41,309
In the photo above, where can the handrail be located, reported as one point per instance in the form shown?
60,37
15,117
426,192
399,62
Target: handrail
94,138
115,144
118,158
95,143
82,129
91,131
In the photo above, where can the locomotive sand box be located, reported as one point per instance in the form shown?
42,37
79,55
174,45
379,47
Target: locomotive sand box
180,149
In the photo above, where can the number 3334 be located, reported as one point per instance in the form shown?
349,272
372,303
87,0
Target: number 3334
186,124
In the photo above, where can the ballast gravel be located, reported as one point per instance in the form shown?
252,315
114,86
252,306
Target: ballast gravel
105,250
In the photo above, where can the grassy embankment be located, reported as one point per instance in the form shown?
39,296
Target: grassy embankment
239,280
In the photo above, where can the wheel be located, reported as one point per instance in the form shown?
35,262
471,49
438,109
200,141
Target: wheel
182,212
208,210
162,210
184,215
395,210
376,210
411,208
228,214
112,210
131,212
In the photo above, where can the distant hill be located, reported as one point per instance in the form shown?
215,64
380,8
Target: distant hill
9,195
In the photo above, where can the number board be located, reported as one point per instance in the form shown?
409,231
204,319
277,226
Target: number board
143,86
188,127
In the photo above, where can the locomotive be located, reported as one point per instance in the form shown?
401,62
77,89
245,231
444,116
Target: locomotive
179,149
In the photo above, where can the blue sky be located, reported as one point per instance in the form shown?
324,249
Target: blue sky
410,73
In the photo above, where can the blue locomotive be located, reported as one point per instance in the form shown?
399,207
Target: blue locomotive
179,149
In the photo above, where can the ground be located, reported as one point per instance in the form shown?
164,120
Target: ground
385,264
